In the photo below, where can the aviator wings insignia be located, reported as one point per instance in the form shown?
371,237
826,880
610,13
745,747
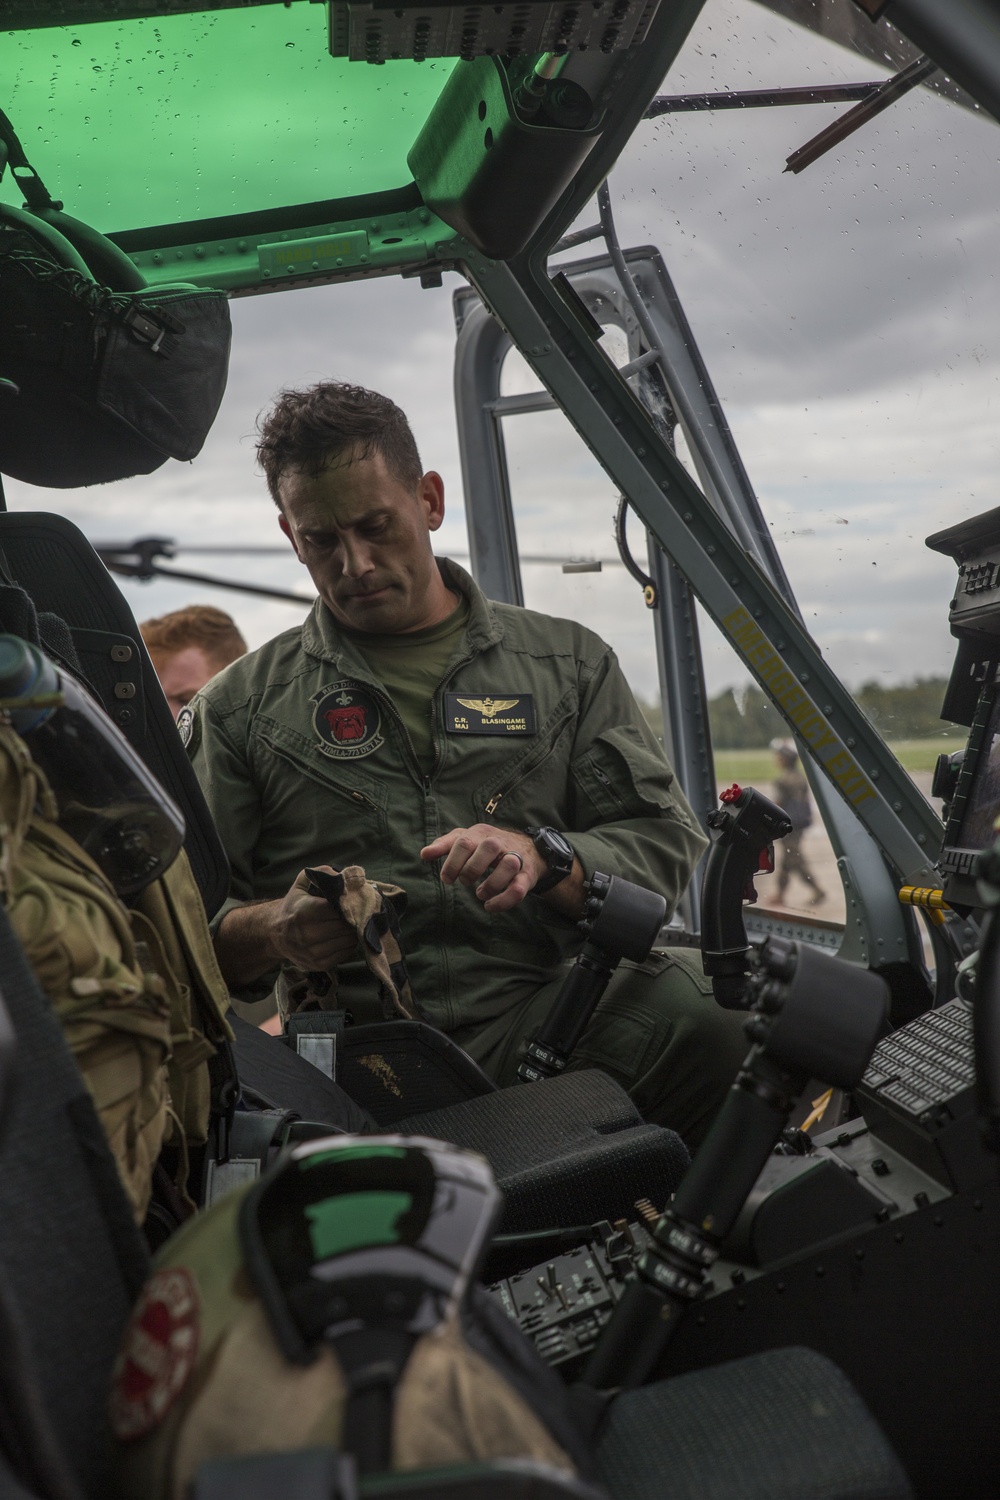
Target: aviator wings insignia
488,707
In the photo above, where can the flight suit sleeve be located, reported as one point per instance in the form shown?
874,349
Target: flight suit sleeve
632,818
222,768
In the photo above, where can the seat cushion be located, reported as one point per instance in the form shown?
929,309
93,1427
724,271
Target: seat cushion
569,1150
783,1425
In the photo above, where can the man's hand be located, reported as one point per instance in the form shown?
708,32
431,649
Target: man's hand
310,933
501,865
298,929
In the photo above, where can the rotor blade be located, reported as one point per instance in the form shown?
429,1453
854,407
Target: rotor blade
216,583
222,549
833,93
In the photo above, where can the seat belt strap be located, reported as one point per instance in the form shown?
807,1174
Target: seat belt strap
36,195
251,1136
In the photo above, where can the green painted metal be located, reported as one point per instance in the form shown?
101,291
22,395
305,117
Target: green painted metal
642,73
244,263
194,117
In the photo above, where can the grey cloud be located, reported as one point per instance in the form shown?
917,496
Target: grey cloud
878,256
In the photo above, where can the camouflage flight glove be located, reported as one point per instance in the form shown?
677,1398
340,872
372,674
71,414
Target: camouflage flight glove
372,908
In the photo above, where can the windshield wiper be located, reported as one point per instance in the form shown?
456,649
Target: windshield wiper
887,93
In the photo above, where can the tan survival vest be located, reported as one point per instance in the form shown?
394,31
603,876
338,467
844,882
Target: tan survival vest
138,994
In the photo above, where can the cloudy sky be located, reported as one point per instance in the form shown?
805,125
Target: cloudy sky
848,316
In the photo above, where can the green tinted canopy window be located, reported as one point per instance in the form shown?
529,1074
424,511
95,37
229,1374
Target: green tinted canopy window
159,121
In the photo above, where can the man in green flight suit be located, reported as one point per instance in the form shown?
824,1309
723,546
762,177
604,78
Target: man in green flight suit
473,753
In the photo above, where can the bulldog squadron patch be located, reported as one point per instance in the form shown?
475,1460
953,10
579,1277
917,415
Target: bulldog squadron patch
348,721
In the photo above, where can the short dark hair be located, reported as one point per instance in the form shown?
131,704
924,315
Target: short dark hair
202,625
307,430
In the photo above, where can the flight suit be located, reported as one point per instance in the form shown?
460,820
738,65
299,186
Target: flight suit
304,761
791,792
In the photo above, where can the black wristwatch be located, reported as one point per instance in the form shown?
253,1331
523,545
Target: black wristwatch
558,854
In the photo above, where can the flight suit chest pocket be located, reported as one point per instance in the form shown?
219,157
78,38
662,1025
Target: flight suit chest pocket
621,777
534,782
294,772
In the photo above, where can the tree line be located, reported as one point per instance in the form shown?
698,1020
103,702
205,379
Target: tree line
743,719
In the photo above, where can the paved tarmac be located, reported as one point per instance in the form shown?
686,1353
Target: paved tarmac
800,898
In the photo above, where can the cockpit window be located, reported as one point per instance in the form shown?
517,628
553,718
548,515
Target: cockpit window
846,315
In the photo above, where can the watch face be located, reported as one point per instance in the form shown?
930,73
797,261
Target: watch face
559,845
557,852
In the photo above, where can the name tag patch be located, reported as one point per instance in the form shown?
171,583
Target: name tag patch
489,715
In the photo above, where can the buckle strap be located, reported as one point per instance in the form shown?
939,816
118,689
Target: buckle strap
36,195
225,1085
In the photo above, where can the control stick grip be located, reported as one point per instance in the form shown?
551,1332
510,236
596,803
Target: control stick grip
813,1016
621,920
745,827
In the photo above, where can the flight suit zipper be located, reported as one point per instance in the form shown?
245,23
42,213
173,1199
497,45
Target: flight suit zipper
528,770
445,894
610,788
424,783
303,768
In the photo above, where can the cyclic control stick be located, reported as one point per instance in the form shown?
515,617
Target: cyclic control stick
812,1016
621,920
744,827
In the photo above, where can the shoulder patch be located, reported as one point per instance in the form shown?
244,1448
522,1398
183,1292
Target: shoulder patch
185,726
347,720
158,1354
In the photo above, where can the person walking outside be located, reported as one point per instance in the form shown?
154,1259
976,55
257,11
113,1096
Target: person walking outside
791,792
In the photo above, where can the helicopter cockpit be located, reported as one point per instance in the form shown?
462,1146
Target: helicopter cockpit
360,154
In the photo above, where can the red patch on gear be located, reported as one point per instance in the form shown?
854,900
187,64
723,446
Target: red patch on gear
158,1354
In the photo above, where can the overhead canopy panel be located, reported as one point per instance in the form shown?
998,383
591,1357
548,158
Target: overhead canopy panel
229,147
378,30
18,13
205,115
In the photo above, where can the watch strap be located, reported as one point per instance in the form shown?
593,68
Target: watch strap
559,861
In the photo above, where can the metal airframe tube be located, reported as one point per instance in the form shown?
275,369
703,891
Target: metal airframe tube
489,511
762,627
870,892
487,496
831,93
